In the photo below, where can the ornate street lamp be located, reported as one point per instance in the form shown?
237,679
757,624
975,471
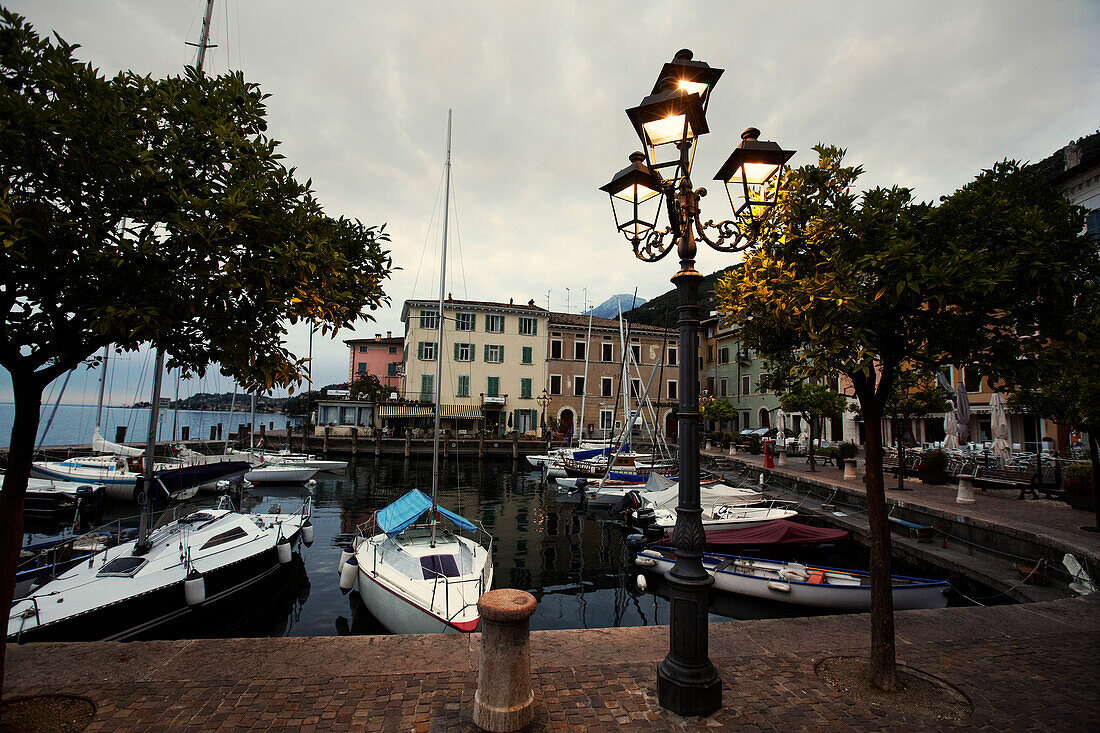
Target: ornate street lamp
668,123
544,401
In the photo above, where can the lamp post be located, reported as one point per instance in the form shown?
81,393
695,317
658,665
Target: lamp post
668,123
544,401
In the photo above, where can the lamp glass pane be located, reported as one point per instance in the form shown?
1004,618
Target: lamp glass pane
667,130
693,87
643,193
754,173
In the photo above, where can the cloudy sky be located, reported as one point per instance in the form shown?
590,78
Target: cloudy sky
922,94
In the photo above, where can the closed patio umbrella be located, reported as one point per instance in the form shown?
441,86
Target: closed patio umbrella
950,431
962,413
999,415
781,428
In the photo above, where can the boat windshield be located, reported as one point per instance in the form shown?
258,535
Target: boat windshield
439,566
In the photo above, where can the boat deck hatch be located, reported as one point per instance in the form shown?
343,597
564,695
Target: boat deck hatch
122,566
439,566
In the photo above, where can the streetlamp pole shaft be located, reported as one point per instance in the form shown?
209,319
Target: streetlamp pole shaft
687,682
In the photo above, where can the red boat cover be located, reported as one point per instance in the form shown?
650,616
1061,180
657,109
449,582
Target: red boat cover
777,531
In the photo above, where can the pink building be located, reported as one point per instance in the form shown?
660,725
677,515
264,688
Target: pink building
379,356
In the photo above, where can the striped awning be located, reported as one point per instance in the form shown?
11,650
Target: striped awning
472,412
405,411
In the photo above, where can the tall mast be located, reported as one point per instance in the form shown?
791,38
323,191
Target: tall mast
102,386
204,37
584,394
439,326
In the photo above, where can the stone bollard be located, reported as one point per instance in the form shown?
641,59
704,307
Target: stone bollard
782,457
850,468
966,490
504,700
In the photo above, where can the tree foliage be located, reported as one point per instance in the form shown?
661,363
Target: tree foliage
136,210
874,285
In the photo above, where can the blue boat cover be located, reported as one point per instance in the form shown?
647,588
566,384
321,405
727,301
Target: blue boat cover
398,516
581,455
634,477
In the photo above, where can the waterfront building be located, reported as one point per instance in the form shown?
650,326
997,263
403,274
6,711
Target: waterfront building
379,356
652,373
493,365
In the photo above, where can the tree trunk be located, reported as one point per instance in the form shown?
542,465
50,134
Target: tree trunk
1095,472
28,403
883,672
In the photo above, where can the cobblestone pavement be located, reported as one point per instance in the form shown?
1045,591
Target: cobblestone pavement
1023,667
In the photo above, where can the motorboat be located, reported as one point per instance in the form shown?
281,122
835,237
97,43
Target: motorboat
420,578
123,592
286,458
51,501
121,476
801,585
280,474
726,516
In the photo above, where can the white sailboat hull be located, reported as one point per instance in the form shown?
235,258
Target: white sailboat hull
280,474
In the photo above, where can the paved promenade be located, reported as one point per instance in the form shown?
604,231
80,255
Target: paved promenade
1023,667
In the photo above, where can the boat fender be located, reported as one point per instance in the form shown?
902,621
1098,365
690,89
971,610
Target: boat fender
359,539
311,484
348,574
645,562
779,585
641,582
194,588
345,553
794,571
282,550
307,533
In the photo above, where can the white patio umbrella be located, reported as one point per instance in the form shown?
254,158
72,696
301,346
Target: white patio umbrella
950,431
999,415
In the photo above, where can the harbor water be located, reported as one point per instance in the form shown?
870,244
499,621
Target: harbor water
576,563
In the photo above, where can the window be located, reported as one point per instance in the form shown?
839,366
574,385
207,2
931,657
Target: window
710,353
361,368
635,389
605,419
578,386
427,387
699,366
555,384
494,353
393,349
463,388
673,393
228,536
429,319
763,380
972,379
636,353
492,387
391,369
528,355
525,388
579,348
607,386
672,356
465,321
724,355
494,324
608,351
722,387
439,566
426,350
834,383
555,348
464,352
528,326
363,349
745,387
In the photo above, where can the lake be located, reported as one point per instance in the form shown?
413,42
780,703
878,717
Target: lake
73,424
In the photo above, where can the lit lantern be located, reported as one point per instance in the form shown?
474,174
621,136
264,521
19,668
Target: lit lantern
752,173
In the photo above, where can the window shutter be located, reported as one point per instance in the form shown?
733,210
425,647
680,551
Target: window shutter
534,327
456,352
501,352
486,352
420,350
473,321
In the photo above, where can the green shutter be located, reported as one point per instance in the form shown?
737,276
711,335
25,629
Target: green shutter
473,321
420,350
527,355
456,352
534,327
486,352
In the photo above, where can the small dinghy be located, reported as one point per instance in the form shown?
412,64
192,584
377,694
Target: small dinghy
801,585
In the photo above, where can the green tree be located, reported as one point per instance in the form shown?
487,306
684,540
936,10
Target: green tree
874,285
366,387
720,411
814,401
135,210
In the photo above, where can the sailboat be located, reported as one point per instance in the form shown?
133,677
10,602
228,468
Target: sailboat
136,588
420,577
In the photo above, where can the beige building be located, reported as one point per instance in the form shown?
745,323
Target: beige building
654,363
493,358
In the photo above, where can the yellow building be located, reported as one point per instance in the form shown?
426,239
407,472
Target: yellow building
493,364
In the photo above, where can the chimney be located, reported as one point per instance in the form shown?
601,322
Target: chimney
377,336
389,334
510,301
531,302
